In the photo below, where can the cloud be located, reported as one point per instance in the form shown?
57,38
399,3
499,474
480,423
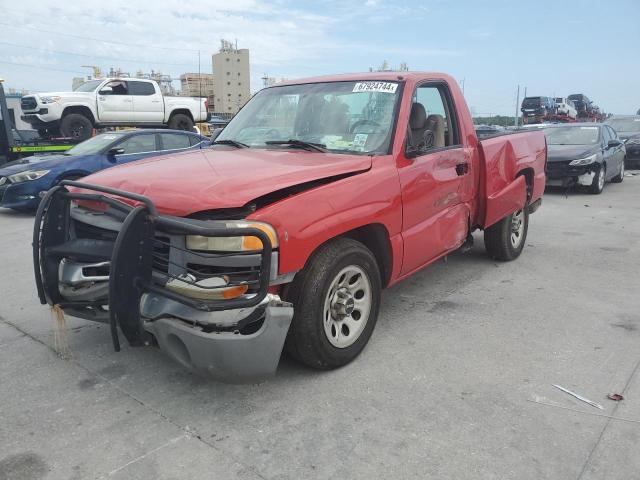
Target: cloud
284,38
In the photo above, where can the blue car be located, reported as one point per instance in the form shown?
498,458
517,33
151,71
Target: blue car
22,181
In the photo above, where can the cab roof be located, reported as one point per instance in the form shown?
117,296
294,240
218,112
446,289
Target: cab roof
374,76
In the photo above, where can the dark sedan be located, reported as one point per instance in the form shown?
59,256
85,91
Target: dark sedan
587,154
628,129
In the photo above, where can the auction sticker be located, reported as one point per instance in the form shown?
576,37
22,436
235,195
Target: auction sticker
384,87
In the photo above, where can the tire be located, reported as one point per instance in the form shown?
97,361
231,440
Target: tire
620,177
180,121
505,240
77,126
599,179
341,279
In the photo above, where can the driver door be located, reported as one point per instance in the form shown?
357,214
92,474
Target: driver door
115,104
435,173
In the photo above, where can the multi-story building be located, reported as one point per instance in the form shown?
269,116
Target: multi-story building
231,78
198,85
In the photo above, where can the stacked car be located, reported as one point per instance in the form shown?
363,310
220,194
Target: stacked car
575,107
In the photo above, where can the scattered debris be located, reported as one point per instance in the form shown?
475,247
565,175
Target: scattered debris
579,397
586,205
616,397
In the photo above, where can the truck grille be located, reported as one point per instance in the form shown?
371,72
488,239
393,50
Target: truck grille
28,103
161,246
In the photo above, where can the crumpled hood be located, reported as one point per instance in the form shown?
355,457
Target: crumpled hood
36,162
214,178
563,153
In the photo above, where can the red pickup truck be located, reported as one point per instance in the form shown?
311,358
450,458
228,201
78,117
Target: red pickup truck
317,195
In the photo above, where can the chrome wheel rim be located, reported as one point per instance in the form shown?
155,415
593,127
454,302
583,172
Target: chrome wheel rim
347,306
601,176
517,228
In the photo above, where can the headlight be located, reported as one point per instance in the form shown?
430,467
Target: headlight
28,175
49,99
3,180
585,161
234,244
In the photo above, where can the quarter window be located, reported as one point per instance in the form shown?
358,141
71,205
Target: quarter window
174,141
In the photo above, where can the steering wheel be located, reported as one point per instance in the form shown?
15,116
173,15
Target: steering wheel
363,122
272,133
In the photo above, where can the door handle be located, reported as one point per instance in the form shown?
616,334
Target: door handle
462,169
127,100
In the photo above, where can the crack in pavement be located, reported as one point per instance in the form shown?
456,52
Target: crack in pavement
192,433
607,423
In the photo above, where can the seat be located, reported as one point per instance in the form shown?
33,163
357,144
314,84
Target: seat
417,125
435,123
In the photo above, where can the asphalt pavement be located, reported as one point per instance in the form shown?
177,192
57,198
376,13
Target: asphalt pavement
456,382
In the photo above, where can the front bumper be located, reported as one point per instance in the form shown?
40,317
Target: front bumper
563,174
21,196
120,275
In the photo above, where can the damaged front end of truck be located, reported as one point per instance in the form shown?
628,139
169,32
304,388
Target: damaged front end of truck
196,288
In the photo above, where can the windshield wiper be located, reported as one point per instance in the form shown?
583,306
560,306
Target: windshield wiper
233,143
317,147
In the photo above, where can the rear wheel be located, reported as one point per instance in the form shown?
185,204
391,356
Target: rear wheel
336,300
505,240
76,126
597,185
181,121
620,177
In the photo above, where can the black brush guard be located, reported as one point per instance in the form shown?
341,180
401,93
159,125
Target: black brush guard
131,256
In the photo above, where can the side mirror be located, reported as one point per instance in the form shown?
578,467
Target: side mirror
111,154
614,143
215,134
106,91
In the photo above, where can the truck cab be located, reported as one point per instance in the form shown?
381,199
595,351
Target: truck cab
316,196
110,102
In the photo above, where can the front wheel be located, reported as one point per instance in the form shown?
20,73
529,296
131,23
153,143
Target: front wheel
597,185
505,240
76,126
336,299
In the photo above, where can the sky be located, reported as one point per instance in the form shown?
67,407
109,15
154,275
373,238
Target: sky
551,48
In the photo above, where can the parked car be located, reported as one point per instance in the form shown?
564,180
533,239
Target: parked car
587,154
487,130
538,106
628,129
564,106
22,181
318,194
107,102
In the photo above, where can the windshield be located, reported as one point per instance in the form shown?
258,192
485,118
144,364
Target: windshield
531,102
625,124
94,145
89,86
572,135
350,117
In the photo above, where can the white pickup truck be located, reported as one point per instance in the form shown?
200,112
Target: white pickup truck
566,107
123,102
